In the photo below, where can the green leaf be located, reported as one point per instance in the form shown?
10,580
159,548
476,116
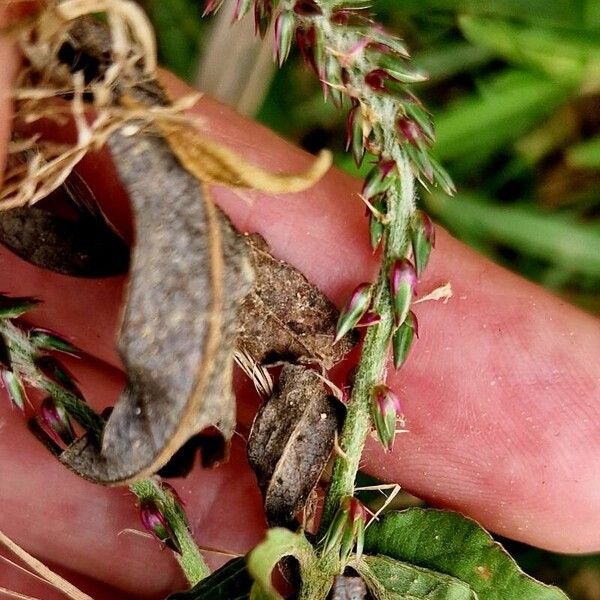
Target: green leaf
449,543
507,106
585,155
390,579
231,582
557,237
569,55
278,544
561,13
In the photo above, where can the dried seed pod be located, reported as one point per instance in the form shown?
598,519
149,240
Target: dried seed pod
285,318
290,442
189,274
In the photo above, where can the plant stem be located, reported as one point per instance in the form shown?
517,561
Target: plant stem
190,560
374,355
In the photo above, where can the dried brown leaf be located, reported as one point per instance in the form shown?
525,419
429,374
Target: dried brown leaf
285,318
189,274
291,439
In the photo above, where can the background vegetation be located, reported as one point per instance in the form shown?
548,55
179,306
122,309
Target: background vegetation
515,92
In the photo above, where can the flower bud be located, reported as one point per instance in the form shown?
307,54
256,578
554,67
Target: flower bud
402,339
377,78
354,534
422,235
347,529
354,134
403,286
263,10
56,419
11,308
14,386
241,8
379,179
156,523
284,31
355,308
369,318
385,409
410,130
44,339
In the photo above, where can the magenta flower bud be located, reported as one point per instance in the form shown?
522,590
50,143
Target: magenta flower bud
403,286
56,419
156,523
403,338
409,130
377,78
385,410
422,236
353,311
15,389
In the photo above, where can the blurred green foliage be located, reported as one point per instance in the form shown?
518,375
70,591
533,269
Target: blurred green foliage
515,92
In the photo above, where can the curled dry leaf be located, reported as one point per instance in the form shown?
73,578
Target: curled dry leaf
291,439
189,274
285,318
78,247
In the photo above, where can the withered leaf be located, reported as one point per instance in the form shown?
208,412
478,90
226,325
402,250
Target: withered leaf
285,318
189,273
81,247
291,439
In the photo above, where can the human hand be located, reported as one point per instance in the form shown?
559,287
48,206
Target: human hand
501,391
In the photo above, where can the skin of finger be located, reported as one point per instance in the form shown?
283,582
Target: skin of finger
323,221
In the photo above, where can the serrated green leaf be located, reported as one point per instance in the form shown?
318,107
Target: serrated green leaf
449,543
390,579
278,544
569,55
231,582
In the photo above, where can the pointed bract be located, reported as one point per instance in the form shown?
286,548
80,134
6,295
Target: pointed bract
285,24
355,308
11,308
14,386
422,235
44,339
56,419
403,338
156,523
403,286
385,410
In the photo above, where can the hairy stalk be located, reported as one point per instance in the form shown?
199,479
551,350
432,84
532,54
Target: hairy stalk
375,351
22,355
